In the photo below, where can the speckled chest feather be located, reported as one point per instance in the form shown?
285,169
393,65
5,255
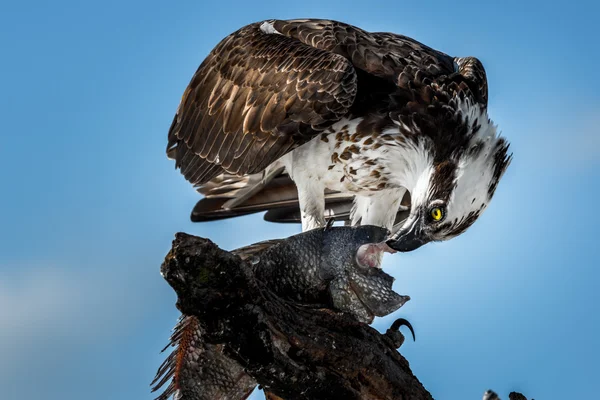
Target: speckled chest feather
351,156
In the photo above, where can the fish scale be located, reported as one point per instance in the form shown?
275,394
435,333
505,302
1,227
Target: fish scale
320,267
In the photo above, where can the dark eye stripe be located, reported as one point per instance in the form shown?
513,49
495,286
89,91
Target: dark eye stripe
443,180
441,227
456,227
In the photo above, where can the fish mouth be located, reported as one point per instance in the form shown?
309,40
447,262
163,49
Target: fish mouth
371,285
370,255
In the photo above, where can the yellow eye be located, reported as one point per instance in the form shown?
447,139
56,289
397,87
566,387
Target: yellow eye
436,213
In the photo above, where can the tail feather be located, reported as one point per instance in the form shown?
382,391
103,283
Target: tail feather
273,191
224,186
338,211
255,187
229,196
211,209
280,191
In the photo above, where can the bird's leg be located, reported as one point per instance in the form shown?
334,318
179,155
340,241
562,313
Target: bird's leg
378,210
311,196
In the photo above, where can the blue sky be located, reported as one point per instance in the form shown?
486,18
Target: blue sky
89,202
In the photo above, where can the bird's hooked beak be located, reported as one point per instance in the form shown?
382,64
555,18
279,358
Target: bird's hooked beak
410,237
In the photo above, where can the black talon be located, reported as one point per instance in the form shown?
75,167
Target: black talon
401,321
329,222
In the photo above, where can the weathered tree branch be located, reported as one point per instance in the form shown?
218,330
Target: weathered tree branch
292,351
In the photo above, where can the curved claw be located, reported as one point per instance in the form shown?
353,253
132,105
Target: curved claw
329,223
400,322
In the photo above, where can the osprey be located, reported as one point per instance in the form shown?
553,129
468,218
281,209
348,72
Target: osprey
352,117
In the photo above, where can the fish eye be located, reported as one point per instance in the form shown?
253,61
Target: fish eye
437,213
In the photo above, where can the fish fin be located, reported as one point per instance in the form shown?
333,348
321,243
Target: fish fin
376,293
347,301
251,250
198,370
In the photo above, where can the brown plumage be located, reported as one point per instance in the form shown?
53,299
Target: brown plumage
382,109
258,96
253,99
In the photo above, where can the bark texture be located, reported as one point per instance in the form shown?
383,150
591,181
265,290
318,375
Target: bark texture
292,351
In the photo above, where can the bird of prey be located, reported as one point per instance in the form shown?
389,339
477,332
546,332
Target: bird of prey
351,117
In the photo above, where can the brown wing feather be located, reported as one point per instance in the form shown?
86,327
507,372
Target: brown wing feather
257,96
385,55
254,98
419,72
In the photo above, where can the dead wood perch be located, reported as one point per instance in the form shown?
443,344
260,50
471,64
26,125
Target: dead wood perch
292,351
240,333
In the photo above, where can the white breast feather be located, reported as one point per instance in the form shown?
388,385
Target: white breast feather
313,169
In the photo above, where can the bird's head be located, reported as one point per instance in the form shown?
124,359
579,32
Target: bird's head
458,183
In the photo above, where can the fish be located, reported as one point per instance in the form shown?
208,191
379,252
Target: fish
329,267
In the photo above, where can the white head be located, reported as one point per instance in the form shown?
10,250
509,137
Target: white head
468,159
